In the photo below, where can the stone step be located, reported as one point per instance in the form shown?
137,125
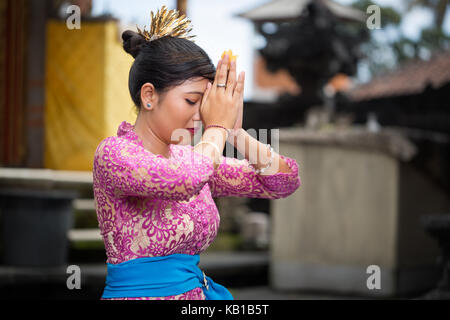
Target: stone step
83,204
236,268
84,235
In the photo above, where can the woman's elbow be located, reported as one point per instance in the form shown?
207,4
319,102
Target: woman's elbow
288,190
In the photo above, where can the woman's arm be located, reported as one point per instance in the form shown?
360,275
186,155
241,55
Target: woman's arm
237,178
258,153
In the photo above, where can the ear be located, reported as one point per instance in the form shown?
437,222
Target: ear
148,96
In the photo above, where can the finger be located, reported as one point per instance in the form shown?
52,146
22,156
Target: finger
235,84
243,85
217,72
241,99
206,93
231,82
222,73
239,91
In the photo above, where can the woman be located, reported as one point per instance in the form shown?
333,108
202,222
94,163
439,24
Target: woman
153,196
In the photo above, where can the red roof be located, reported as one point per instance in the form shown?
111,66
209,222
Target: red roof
411,78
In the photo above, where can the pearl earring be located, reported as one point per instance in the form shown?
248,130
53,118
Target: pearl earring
149,105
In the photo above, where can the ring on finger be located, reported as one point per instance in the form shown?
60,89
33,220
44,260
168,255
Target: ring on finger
220,85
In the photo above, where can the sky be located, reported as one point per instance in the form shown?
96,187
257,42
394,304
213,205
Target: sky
217,29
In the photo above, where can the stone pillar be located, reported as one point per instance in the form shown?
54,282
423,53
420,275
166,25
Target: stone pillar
35,83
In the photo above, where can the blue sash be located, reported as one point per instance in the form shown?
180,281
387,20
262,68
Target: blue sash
159,277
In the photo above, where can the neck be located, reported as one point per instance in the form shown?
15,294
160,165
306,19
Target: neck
150,139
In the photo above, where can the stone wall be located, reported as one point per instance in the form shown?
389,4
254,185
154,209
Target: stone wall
359,205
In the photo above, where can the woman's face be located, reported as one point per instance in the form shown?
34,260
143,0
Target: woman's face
179,109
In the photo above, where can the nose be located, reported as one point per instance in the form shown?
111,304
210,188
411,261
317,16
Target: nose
196,116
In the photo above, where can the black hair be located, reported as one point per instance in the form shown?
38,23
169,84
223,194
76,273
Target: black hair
165,62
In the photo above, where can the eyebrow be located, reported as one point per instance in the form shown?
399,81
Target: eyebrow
197,92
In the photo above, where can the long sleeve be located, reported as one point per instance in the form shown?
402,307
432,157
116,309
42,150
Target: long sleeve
126,169
234,177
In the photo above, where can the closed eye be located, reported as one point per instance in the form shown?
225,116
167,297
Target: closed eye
190,102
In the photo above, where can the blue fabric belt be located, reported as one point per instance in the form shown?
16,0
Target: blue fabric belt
159,277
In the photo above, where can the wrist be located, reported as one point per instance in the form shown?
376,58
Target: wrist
261,168
234,135
216,135
216,125
218,128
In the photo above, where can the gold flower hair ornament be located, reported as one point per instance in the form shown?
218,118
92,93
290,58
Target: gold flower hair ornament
167,23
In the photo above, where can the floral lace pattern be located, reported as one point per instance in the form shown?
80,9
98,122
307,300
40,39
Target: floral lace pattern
148,205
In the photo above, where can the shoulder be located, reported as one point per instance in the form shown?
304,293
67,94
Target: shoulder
113,142
105,144
116,148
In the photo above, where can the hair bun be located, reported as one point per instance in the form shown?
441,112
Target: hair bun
132,42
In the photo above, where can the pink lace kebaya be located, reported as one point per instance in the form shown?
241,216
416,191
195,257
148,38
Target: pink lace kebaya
148,205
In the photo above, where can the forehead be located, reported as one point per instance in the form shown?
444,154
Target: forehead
197,84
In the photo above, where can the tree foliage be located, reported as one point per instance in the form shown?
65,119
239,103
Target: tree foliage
389,46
